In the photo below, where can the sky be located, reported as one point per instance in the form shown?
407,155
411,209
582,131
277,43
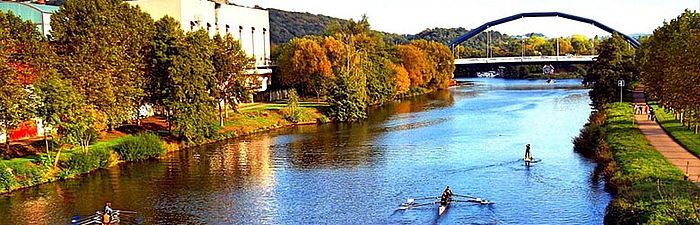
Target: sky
413,16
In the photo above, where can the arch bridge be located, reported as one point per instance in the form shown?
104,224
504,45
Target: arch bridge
633,42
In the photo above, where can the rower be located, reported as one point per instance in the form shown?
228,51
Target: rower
107,214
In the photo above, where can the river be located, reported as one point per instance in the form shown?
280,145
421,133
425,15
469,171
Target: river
470,138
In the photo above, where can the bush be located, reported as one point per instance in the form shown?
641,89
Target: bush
140,147
79,163
7,179
292,111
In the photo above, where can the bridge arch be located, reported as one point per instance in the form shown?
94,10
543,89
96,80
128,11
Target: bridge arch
481,28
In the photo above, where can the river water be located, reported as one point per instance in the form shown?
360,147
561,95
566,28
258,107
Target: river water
470,138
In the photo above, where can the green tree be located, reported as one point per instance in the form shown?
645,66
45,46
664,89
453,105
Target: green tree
615,62
191,82
103,46
230,63
59,103
168,35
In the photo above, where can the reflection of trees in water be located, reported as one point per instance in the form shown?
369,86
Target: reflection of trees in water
348,145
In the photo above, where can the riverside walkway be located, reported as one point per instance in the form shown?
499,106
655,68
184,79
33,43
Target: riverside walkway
662,142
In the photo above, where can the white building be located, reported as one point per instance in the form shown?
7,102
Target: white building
250,26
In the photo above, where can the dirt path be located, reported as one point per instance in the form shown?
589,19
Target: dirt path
662,142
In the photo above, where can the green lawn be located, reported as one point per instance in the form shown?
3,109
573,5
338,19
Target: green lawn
648,187
687,138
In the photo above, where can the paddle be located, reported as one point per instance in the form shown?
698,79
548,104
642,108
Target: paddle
424,198
125,211
463,196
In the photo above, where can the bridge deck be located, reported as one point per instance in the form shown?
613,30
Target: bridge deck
527,59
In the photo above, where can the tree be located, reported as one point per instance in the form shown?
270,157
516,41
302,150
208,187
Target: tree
230,63
192,81
102,45
581,44
24,56
441,63
304,65
402,81
59,103
615,62
414,60
164,45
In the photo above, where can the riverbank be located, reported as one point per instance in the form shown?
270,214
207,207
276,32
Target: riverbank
646,187
31,170
686,137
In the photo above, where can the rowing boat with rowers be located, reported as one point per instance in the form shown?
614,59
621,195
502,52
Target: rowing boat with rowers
443,201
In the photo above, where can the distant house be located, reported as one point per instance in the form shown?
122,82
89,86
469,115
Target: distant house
38,14
251,26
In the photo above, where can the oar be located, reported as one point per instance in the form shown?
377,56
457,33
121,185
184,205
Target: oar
464,196
424,198
125,211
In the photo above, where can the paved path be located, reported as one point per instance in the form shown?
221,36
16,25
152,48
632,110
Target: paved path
662,142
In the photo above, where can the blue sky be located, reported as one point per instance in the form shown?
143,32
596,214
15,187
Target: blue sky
412,16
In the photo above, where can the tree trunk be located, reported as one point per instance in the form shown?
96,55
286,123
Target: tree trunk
7,142
58,156
221,115
226,107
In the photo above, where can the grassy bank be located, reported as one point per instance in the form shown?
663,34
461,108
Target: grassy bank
684,136
36,169
647,189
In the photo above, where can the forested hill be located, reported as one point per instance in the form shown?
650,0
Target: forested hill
285,25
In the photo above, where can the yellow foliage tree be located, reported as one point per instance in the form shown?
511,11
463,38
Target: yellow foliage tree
402,81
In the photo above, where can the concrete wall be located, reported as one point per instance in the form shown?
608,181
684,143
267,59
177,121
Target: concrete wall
160,8
254,42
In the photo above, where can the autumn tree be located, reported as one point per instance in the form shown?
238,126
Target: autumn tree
402,82
103,46
440,63
24,56
304,65
414,60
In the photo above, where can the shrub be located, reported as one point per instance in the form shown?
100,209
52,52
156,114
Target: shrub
7,179
292,112
140,147
79,163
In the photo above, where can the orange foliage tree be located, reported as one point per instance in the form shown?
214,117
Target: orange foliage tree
414,61
304,65
402,82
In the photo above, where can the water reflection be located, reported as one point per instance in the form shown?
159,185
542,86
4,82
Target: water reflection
469,138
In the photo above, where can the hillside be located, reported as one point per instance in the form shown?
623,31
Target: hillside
285,25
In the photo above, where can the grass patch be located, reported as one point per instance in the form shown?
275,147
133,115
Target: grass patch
647,188
687,138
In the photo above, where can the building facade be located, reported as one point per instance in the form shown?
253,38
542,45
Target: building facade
38,14
250,26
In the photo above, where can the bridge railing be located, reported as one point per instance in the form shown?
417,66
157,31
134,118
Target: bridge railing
567,58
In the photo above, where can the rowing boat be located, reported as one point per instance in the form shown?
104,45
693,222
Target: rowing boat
442,205
442,208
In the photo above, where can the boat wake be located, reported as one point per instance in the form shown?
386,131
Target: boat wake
415,125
